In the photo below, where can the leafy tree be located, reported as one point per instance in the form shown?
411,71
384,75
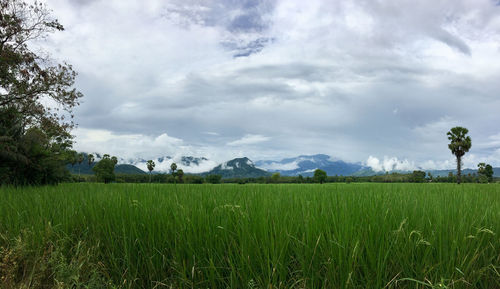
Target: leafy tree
28,81
275,178
418,176
151,165
460,143
180,175
319,176
27,156
485,172
105,169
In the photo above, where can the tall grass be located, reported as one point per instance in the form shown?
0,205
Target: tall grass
259,236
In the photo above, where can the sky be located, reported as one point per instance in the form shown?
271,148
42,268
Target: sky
375,82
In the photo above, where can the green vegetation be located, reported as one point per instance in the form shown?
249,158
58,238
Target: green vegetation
151,165
34,136
105,169
319,176
251,236
485,172
460,143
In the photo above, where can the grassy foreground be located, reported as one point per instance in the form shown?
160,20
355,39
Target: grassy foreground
250,236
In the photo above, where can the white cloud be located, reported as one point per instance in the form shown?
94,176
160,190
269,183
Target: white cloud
128,145
389,164
276,166
249,139
164,166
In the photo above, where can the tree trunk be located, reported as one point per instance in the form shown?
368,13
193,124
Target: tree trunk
459,170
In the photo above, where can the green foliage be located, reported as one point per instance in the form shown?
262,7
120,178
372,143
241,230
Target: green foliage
173,168
213,179
233,236
34,138
460,143
29,156
319,176
105,169
151,165
418,176
485,172
275,178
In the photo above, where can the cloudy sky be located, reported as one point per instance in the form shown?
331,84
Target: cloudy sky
378,82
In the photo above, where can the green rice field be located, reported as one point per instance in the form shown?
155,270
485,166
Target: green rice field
250,236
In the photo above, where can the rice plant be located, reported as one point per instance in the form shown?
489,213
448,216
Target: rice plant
251,236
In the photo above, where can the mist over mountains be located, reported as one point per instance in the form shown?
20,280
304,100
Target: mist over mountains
304,165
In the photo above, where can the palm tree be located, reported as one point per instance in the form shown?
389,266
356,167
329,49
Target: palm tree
90,159
80,158
460,143
173,167
151,166
73,158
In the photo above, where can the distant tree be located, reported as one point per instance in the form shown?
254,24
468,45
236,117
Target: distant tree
418,176
319,176
460,143
151,166
114,159
213,179
173,169
105,169
90,159
275,178
300,179
485,172
180,175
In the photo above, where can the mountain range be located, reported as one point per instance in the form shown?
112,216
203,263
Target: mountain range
304,165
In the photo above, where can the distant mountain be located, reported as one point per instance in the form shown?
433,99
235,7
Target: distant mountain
435,173
119,169
238,168
444,173
85,169
305,165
